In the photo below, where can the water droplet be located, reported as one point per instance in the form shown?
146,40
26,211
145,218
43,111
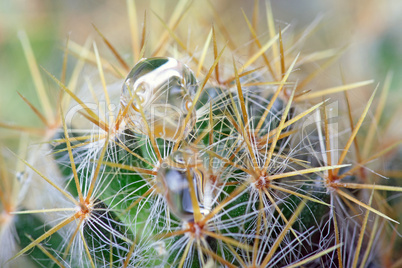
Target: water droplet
163,88
172,181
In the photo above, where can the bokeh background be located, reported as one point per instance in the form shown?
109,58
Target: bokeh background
371,29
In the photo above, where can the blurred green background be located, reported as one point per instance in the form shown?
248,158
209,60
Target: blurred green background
371,28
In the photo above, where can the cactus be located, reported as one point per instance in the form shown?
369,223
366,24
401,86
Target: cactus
201,159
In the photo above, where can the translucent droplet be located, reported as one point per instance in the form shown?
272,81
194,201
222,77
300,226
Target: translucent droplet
172,181
161,92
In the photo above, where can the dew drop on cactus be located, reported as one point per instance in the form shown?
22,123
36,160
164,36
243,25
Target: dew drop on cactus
160,91
173,182
243,175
